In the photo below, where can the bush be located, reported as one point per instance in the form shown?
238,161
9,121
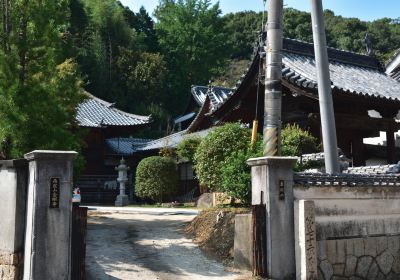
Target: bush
167,152
188,147
214,150
296,141
236,173
156,178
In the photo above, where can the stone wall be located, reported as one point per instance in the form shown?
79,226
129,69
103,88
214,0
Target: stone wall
357,230
11,266
359,258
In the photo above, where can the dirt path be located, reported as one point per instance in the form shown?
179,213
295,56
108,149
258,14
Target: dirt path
146,246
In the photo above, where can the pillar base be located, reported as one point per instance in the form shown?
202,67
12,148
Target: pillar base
122,200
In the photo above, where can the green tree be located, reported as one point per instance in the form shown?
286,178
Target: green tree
242,29
192,42
144,26
142,76
40,88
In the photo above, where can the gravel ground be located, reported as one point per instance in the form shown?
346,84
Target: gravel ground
146,246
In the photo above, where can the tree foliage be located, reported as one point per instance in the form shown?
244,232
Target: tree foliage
343,33
296,141
215,149
220,160
236,173
191,39
40,86
156,178
187,148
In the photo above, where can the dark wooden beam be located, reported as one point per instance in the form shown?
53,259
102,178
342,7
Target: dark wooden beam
299,91
390,146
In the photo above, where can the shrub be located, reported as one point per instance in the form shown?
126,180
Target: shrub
167,152
236,176
296,141
236,173
188,147
156,178
214,149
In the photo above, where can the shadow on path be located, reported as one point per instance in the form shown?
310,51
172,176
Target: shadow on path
141,246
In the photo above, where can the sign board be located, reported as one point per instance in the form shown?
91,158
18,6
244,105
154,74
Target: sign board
54,193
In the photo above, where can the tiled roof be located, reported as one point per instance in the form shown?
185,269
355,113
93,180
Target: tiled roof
217,95
184,117
171,141
350,72
124,146
320,157
94,112
393,66
374,170
366,170
396,75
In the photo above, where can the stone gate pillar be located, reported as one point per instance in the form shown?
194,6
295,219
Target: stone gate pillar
272,185
49,207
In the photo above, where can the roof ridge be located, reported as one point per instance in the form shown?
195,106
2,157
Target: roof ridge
328,47
168,136
334,54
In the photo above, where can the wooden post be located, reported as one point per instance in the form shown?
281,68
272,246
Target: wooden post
390,146
357,146
259,240
78,244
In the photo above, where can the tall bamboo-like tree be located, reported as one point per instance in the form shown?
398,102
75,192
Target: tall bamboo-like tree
40,87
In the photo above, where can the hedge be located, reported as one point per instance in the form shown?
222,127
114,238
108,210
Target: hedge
156,178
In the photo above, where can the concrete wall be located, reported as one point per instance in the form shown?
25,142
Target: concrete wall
13,189
357,230
243,243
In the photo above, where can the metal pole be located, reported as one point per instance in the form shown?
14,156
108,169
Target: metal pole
273,76
324,89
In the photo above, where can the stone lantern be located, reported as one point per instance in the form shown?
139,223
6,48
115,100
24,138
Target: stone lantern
122,198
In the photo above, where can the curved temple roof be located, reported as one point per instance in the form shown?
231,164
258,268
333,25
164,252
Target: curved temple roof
350,72
217,95
95,112
393,67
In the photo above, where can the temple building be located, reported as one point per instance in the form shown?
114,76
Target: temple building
366,103
104,146
366,99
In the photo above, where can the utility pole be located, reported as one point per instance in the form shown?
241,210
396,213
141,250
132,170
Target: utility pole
273,76
324,89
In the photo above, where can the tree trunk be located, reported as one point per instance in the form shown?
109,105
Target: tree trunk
22,44
6,6
111,56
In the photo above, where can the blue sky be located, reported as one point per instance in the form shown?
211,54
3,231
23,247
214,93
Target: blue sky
363,9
